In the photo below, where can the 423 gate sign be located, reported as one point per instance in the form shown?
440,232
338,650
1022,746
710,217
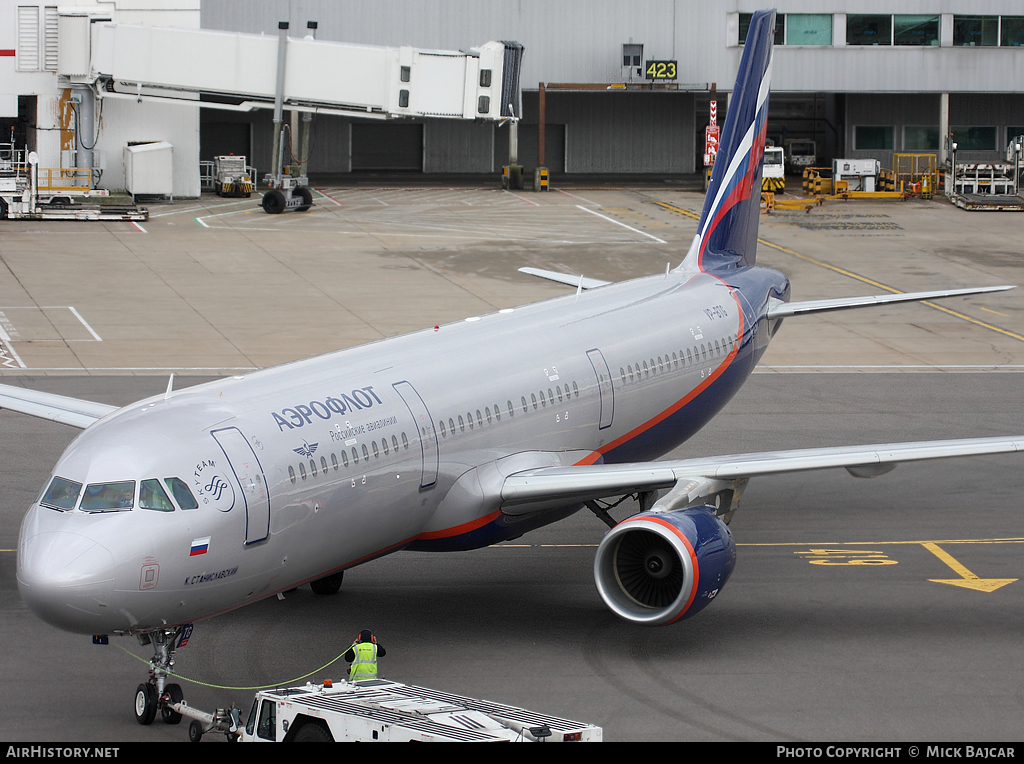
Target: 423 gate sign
661,70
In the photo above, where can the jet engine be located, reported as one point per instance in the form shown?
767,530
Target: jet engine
659,567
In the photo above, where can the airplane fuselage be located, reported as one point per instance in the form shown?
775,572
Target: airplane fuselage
309,468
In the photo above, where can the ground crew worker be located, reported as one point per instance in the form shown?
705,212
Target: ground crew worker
363,656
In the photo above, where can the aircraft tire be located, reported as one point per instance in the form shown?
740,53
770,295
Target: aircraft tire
174,695
195,731
145,703
328,584
273,202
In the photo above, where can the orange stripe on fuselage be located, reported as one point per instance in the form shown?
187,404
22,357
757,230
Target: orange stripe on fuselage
595,455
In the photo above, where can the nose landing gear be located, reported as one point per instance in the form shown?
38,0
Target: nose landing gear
157,694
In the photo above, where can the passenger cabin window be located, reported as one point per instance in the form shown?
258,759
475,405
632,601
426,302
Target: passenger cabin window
61,494
153,496
181,492
109,497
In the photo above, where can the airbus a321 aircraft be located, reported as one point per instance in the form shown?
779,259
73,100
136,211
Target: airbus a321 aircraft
191,503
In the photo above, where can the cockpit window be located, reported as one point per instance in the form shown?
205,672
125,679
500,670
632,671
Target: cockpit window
181,492
61,494
153,496
107,497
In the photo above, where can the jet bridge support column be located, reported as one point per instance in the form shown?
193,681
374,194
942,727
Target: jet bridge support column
282,48
287,190
307,117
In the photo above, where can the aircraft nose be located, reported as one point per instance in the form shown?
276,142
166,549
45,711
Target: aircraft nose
66,579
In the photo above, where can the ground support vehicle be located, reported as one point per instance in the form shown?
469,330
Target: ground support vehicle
800,153
30,193
773,174
231,178
381,710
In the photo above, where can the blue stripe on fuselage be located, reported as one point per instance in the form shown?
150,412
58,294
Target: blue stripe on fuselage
756,285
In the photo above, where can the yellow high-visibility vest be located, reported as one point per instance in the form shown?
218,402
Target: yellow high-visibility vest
365,664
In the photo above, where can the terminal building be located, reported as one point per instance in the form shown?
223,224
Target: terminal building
621,87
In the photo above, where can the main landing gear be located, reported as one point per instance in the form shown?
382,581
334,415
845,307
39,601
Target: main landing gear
157,694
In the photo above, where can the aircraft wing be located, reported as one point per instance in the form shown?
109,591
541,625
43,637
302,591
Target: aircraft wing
584,483
780,309
565,278
57,408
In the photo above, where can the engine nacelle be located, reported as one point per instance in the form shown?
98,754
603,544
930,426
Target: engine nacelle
659,567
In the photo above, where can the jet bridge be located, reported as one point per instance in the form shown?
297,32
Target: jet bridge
239,72
243,72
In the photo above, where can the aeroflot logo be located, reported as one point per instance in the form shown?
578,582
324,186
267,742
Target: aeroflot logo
303,414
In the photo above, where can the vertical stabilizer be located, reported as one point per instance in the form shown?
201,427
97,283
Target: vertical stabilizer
727,236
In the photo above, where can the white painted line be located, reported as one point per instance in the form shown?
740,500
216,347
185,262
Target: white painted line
605,217
186,210
89,328
139,227
200,221
6,348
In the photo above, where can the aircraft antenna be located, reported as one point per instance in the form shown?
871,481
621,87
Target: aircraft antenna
170,384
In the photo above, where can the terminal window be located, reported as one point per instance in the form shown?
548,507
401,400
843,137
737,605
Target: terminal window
1011,31
974,138
920,138
978,31
872,137
863,29
916,30
808,29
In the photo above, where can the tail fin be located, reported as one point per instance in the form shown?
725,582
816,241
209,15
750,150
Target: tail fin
727,236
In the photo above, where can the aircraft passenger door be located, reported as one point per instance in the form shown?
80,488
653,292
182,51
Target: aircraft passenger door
604,387
250,477
426,433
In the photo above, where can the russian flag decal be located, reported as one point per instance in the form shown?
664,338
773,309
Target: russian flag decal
199,546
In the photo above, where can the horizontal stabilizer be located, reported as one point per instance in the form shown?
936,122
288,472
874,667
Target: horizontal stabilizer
56,408
781,309
583,483
565,278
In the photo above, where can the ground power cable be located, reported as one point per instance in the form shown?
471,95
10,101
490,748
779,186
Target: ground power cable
228,687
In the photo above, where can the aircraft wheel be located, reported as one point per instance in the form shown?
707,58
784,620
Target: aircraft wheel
273,202
145,703
328,584
174,695
307,198
195,731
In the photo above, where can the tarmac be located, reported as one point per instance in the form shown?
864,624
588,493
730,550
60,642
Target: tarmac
840,622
